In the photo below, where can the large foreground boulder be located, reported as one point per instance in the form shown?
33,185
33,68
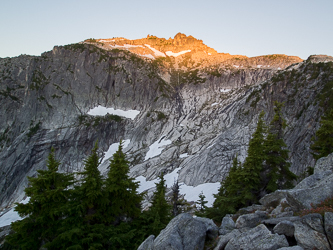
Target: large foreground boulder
182,233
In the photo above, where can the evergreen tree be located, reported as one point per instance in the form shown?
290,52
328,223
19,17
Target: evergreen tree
241,187
160,209
48,193
175,199
276,173
121,190
202,205
253,165
323,141
228,199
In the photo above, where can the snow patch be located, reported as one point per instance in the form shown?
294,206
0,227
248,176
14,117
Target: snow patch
126,46
215,103
11,216
101,111
192,193
157,52
156,148
209,54
113,148
259,66
170,53
236,66
169,181
183,155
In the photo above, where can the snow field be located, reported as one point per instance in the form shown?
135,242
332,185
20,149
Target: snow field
101,111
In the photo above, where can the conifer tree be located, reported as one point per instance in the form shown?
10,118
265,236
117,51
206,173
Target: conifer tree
48,193
241,187
175,199
323,141
253,165
228,199
121,190
202,205
160,209
276,173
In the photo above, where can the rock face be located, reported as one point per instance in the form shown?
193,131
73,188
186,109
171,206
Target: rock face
206,105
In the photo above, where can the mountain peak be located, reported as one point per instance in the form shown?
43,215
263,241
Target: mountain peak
182,46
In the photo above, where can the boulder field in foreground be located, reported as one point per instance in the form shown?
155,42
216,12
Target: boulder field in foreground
272,225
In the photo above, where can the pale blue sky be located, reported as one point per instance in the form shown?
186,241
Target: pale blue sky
244,27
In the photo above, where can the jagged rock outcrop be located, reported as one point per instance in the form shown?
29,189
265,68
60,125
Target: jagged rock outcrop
208,111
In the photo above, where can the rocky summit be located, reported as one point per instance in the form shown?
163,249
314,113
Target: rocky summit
179,106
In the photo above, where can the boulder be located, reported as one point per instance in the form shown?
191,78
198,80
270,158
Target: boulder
313,180
148,244
257,238
251,209
309,232
224,239
324,164
328,224
285,227
275,221
313,189
183,233
300,199
227,225
212,231
251,220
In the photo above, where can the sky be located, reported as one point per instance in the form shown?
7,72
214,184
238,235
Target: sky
239,27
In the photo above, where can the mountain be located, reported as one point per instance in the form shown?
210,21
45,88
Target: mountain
180,106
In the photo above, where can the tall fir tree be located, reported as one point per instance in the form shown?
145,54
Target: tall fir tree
121,190
202,207
175,201
276,173
323,140
48,193
241,187
228,199
160,210
253,164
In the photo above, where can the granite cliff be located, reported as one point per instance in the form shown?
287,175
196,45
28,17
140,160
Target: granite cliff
202,106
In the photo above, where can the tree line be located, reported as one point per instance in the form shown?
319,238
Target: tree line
88,211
